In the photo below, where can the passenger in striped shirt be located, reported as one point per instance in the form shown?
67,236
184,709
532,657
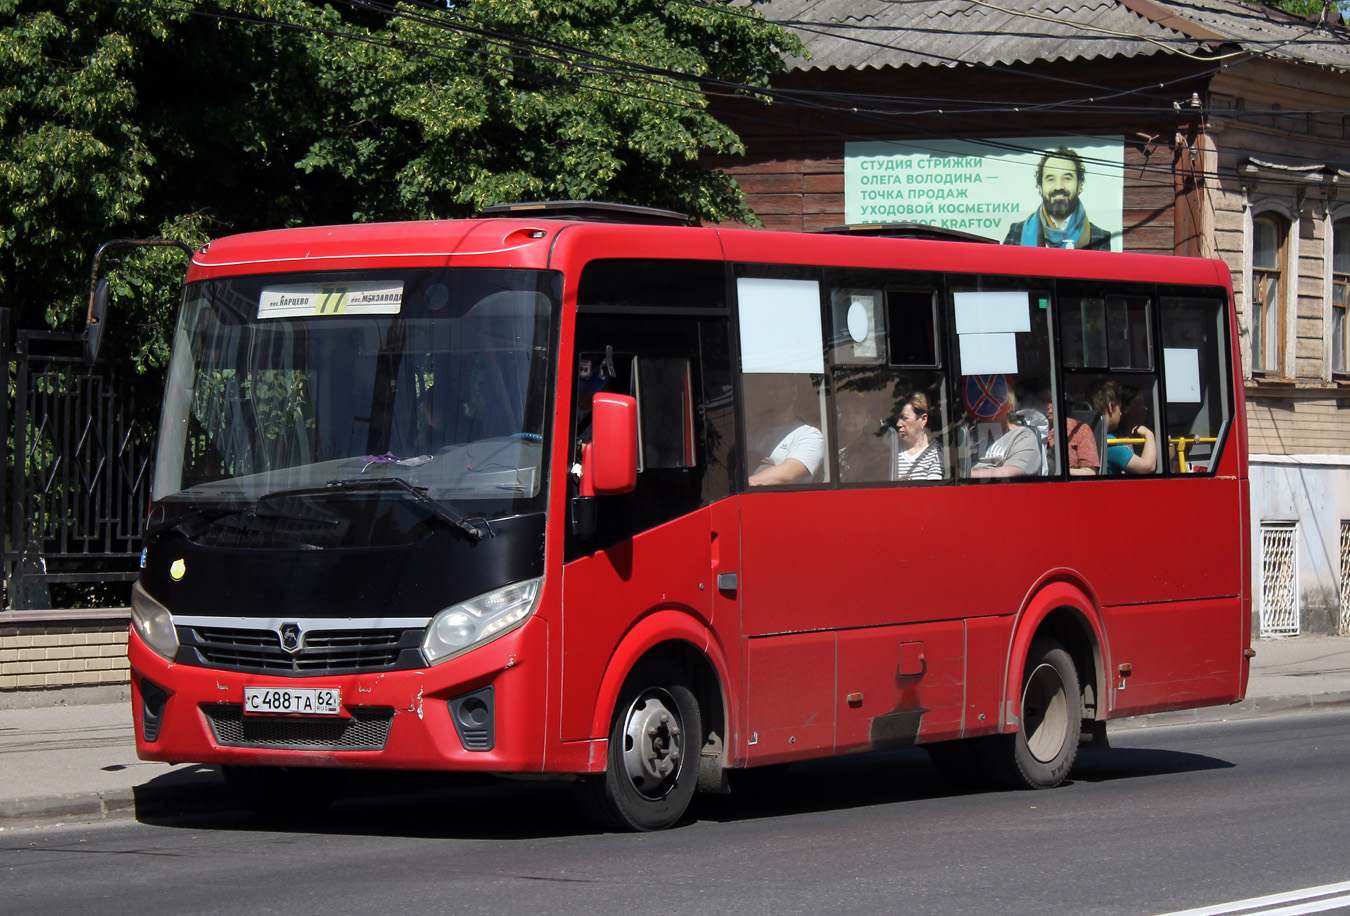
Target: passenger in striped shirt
920,456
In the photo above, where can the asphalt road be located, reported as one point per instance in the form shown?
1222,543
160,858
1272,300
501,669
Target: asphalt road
1171,819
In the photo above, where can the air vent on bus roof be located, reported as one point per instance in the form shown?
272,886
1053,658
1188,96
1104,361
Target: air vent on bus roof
590,210
906,231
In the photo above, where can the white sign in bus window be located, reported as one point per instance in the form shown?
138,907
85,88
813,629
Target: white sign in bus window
987,323
302,300
988,354
1183,375
993,312
780,325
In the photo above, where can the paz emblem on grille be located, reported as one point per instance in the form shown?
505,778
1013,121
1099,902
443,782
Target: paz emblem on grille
290,637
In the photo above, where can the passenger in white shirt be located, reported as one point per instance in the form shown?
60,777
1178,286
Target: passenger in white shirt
783,448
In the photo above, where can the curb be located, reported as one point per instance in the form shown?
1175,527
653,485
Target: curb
1250,708
204,796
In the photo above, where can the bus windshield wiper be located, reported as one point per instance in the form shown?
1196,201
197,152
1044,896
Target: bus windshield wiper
187,512
419,494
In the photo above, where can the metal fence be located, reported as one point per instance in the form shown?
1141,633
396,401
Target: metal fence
78,464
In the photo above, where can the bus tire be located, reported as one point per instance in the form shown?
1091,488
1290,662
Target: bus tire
1040,753
281,793
652,765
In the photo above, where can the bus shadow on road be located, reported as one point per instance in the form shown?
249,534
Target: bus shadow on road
450,806
1132,762
393,804
906,776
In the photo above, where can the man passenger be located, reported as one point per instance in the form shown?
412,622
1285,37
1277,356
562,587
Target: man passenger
1015,453
782,447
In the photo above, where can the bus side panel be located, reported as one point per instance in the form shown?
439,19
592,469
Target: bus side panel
1180,655
987,640
607,593
900,686
857,558
790,690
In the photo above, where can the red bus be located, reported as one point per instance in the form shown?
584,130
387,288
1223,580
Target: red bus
588,493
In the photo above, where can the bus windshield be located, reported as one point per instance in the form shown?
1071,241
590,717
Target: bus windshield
296,381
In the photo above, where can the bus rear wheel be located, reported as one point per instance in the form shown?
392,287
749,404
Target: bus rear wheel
654,744
1040,754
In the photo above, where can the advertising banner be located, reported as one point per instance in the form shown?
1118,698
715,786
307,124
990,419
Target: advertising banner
1046,191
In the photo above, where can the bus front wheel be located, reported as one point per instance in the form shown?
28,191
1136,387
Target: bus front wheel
1040,754
654,744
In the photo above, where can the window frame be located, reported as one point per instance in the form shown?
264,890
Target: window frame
1259,346
1338,299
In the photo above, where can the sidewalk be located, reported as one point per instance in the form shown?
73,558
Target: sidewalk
78,764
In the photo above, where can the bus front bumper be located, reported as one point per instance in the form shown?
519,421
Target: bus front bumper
480,712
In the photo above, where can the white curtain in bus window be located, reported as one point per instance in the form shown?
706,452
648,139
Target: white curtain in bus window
780,326
1183,375
987,323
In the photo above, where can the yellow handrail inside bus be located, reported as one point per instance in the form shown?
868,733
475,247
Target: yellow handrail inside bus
1178,442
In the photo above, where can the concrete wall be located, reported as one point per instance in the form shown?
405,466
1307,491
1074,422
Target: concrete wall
1313,492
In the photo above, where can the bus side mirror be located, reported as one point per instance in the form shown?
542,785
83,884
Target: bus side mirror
609,460
99,292
94,324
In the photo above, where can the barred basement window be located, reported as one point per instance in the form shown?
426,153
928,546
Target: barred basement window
1279,579
1345,577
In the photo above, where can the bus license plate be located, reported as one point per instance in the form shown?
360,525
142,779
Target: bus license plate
303,701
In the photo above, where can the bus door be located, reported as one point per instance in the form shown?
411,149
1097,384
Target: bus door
652,330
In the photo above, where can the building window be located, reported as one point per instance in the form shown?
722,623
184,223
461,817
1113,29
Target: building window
1267,295
1340,293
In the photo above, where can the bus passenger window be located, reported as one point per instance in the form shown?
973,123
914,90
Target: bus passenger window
1198,389
664,387
868,444
1007,379
1125,408
1005,446
784,443
889,424
912,314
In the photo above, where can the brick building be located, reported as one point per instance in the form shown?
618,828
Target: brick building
1209,128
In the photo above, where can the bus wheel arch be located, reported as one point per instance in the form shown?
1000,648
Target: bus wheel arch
1039,754
1054,690
677,675
1061,612
664,741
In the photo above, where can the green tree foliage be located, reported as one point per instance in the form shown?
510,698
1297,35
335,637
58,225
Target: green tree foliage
187,119
1310,9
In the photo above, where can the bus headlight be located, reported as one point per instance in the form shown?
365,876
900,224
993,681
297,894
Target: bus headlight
478,620
153,622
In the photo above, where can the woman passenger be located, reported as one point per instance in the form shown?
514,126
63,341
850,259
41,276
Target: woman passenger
920,457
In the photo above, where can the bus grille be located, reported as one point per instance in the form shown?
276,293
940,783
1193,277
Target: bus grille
323,651
366,730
